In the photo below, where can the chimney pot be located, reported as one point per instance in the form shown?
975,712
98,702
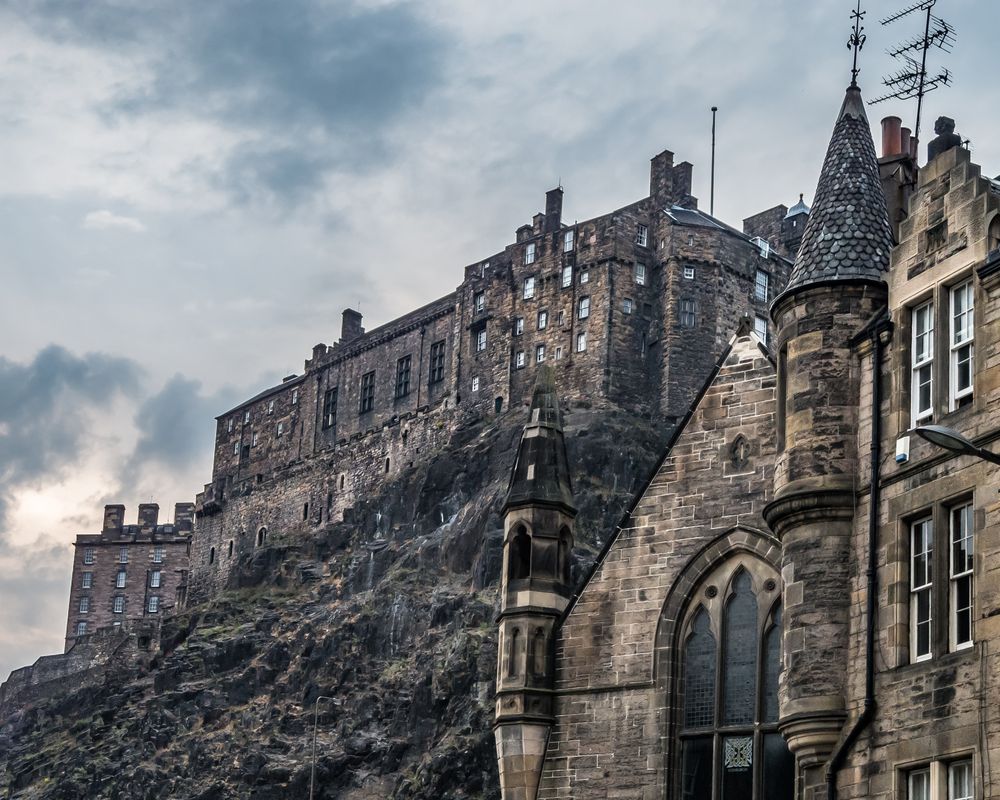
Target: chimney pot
891,140
905,141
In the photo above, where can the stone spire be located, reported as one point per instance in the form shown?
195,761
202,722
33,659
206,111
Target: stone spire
847,237
541,473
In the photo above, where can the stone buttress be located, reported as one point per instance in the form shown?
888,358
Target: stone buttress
836,287
535,589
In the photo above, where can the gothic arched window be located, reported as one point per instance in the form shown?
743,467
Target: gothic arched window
730,747
520,555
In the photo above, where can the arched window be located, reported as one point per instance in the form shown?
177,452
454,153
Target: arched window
230,548
730,661
513,656
565,550
538,654
519,565
211,555
261,536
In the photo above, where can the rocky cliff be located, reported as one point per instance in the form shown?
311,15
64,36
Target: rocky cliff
385,622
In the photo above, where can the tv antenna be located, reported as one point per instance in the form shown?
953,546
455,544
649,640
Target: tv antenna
913,80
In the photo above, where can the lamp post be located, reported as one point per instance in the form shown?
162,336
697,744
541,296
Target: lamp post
954,441
312,772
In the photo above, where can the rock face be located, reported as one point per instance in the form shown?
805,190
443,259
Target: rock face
387,619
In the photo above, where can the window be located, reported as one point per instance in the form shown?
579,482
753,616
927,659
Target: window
154,579
236,448
760,327
961,335
253,440
761,285
543,320
330,408
483,269
367,401
118,604
120,579
475,383
730,660
922,350
123,555
567,277
158,554
688,313
918,784
81,629
689,273
561,318
84,607
568,241
921,583
270,407
960,780
581,341
529,288
529,253
280,429
480,302
437,362
211,553
584,276
246,416
295,396
153,604
627,305
640,274
230,427
480,340
519,359
539,353
403,377
518,326
88,555
641,235
558,353
583,308
961,568
87,580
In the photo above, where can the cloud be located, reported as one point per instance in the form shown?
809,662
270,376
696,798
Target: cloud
45,406
104,219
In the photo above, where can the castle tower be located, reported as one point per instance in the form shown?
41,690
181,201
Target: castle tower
836,287
535,588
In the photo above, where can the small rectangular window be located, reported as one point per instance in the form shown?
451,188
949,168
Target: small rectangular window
581,341
295,397
154,579
760,328
567,277
688,316
583,308
567,241
558,353
230,430
122,555
270,407
87,580
480,340
543,320
253,440
519,359
627,305
641,235
330,408
403,377
280,429
84,607
88,555
761,285
961,341
640,274
480,302
960,781
561,318
120,579
475,383
918,784
236,447
518,326
81,629
539,353
154,604
437,362
584,276
246,416
921,583
529,253
118,604
961,571
158,554
529,288
689,273
922,356
367,399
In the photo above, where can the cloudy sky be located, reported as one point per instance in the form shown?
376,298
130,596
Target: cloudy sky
191,192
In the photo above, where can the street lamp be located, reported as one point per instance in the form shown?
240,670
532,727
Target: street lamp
954,441
312,773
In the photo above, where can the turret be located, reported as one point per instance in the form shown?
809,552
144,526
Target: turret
837,286
535,589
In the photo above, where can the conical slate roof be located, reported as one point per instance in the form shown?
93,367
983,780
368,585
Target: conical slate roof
541,472
847,235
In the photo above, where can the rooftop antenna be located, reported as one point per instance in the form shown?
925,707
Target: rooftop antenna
711,199
857,41
913,80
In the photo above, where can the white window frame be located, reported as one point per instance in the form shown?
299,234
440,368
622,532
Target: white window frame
761,285
539,353
641,235
253,439
529,288
153,604
88,555
270,407
475,383
581,342
960,531
481,340
518,326
519,360
918,784
236,447
529,253
84,605
961,335
559,352
921,585
122,555
760,327
230,426
640,274
567,277
118,604
583,308
295,396
922,358
584,276
561,318
964,788
81,628
479,300
281,429
568,241
246,417
87,580
121,577
543,319
155,578
158,554
689,273
627,305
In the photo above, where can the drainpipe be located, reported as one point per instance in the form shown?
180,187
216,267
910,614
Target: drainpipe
871,573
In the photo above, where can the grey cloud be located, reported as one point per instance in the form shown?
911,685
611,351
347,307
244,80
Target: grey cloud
43,411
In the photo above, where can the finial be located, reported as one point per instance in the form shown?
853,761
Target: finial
857,41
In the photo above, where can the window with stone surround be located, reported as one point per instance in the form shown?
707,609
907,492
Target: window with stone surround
543,320
529,253
568,241
583,308
688,313
88,555
539,353
529,288
518,326
403,377
519,359
641,235
81,629
961,343
87,580
366,401
627,305
330,408
567,277
584,276
118,604
153,604
123,555
475,383
761,285
154,579
581,342
437,362
727,705
158,554
640,274
922,358
480,302
84,607
480,339
760,327
940,780
120,579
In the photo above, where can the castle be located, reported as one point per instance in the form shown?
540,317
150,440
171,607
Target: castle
802,602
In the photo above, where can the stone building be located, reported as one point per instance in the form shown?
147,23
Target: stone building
129,576
628,306
803,601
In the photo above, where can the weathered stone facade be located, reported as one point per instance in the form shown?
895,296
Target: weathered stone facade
625,307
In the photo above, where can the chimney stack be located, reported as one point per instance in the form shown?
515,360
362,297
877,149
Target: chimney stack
184,516
148,515
891,137
114,518
553,209
350,328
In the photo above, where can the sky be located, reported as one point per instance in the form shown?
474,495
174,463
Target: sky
191,193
